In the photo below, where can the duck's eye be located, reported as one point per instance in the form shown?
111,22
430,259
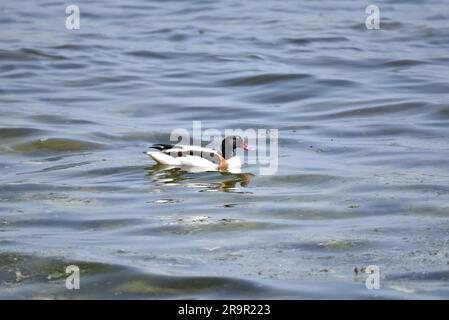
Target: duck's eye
191,152
211,154
179,154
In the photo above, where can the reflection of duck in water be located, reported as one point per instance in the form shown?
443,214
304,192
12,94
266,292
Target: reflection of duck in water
198,157
243,178
179,176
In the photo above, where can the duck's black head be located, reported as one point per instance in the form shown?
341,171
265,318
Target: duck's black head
229,144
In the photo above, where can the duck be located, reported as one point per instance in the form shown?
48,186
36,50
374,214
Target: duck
195,156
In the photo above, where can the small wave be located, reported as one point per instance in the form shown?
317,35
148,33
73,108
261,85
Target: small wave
8,133
54,119
262,79
328,245
79,47
110,171
441,114
385,24
206,225
147,54
309,40
56,145
421,276
97,224
402,108
42,277
28,54
179,37
404,63
69,66
336,83
59,167
302,179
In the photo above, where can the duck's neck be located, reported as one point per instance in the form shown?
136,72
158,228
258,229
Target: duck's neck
227,150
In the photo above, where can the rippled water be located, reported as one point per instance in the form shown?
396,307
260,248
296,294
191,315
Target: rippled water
363,175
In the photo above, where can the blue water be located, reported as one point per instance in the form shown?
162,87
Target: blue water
362,116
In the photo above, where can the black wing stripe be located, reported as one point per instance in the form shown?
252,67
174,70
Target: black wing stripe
162,146
166,148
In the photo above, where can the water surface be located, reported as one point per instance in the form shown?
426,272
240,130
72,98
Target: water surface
363,173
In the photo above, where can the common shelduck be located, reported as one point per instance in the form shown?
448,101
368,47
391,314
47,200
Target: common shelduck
194,156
